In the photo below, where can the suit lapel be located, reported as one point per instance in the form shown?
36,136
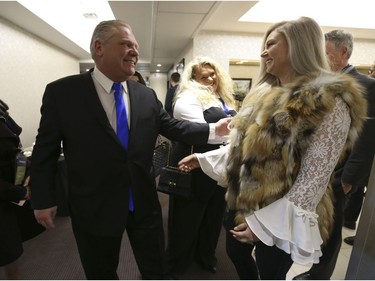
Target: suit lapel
134,103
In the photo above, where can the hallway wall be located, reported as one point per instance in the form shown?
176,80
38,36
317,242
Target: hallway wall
28,63
227,46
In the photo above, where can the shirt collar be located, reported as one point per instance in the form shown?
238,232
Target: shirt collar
105,82
347,68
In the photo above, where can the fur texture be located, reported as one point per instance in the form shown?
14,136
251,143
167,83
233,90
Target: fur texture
272,132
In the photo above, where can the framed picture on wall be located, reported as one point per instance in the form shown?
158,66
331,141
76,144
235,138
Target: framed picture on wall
241,87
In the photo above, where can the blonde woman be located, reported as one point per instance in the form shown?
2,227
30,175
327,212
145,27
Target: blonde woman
205,94
290,133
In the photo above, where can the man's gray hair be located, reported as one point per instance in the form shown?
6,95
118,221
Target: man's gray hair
341,39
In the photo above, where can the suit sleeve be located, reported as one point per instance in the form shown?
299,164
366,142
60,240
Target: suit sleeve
358,167
45,154
190,133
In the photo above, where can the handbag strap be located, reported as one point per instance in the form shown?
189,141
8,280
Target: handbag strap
169,155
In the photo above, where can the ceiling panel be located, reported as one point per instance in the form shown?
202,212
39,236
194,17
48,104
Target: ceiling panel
198,7
140,16
163,28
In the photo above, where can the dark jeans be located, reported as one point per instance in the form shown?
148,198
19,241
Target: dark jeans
239,253
273,263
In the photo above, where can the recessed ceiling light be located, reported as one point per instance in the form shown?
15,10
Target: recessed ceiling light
157,70
158,65
79,29
269,11
90,15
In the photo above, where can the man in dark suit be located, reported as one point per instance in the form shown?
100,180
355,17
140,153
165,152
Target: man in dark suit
168,104
354,173
106,178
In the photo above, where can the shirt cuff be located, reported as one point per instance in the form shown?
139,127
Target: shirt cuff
212,134
291,229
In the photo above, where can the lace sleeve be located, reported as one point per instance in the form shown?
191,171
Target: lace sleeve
286,222
320,159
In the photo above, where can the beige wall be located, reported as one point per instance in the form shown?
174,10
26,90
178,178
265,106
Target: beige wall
28,63
225,47
158,82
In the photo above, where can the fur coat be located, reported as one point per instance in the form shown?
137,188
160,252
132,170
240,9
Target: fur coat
273,131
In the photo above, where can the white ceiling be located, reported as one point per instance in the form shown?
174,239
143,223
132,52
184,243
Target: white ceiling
163,28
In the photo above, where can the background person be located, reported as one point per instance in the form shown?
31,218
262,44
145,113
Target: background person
371,71
352,175
137,77
111,182
286,140
205,95
354,202
17,223
168,104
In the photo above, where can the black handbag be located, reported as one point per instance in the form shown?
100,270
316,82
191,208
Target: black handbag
172,181
159,159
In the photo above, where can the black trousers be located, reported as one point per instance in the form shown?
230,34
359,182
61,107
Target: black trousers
100,254
273,263
194,225
239,253
327,262
353,204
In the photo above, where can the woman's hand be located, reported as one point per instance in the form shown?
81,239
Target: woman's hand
346,187
188,163
243,233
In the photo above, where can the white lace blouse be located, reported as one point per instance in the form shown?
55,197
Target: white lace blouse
290,223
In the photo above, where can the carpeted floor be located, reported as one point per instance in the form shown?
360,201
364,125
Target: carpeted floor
53,255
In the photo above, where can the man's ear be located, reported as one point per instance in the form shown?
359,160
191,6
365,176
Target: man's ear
98,48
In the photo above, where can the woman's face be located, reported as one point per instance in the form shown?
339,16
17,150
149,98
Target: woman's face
206,75
275,57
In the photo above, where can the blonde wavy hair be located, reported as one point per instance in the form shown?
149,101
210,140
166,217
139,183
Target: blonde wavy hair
204,93
306,47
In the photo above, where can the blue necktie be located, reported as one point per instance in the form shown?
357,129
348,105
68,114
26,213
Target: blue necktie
121,116
122,126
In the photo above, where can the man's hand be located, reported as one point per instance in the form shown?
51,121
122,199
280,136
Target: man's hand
346,187
222,127
188,163
45,217
243,233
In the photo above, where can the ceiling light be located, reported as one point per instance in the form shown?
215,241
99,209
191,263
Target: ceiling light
157,70
90,15
158,65
323,11
58,13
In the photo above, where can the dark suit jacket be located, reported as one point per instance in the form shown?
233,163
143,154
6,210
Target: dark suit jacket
100,171
168,104
357,168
